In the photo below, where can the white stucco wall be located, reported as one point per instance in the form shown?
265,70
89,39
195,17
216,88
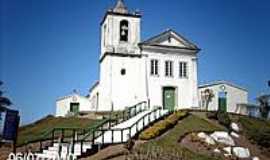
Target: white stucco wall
127,89
235,96
63,104
105,85
94,97
186,88
122,90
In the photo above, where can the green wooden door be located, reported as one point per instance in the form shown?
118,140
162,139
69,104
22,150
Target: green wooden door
169,98
222,101
74,107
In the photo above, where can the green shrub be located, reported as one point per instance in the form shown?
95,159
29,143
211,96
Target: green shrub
162,126
257,131
262,137
224,119
172,120
149,133
211,115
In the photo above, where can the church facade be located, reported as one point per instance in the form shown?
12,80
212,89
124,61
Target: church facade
161,70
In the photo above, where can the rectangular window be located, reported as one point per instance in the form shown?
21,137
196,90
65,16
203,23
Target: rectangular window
183,70
169,68
154,67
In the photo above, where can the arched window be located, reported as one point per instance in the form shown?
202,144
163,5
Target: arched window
124,30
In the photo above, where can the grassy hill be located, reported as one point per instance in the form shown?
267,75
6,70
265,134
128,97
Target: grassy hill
168,143
256,134
256,131
35,131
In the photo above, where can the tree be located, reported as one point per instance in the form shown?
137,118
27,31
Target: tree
4,101
207,95
264,101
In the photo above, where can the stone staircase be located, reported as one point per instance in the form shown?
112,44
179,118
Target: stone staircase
90,143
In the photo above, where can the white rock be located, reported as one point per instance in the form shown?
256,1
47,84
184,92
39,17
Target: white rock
241,152
202,135
217,150
227,155
235,135
235,127
223,137
207,139
228,150
255,158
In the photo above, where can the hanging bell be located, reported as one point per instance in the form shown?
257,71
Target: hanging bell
124,27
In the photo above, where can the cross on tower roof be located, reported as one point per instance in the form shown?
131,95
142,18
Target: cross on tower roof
120,7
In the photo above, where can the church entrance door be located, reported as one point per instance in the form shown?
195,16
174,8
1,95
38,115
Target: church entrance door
169,98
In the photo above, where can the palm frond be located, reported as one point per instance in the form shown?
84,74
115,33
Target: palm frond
5,101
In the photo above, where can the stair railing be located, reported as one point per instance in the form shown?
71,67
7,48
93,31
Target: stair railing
120,117
68,134
131,131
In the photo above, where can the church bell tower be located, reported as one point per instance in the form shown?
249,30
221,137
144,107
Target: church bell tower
120,30
121,64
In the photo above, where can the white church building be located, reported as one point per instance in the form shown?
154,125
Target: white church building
161,71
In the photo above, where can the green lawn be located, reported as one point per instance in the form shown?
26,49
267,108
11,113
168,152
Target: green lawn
253,123
35,131
169,142
258,131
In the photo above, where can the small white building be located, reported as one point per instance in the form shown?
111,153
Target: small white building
72,104
227,97
161,71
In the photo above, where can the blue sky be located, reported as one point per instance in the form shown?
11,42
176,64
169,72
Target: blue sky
50,47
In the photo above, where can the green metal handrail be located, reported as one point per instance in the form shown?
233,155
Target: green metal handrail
116,117
86,132
130,127
50,134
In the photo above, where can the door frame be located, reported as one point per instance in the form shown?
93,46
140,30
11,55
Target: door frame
175,95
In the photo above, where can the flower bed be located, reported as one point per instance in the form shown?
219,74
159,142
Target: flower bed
160,127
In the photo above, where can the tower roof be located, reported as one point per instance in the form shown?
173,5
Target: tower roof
120,7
